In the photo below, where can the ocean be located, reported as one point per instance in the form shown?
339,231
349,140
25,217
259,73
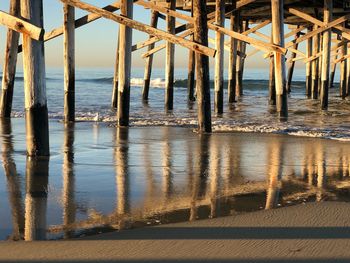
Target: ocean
103,178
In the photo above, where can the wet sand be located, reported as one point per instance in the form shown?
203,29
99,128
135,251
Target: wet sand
101,178
315,232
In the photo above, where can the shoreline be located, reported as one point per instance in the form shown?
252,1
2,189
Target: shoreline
218,127
318,232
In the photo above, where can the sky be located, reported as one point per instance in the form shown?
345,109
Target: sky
96,42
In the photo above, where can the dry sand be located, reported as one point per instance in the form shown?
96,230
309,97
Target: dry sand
315,232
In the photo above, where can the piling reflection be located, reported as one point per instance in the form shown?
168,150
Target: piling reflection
13,181
215,172
201,174
274,172
121,154
68,190
167,168
170,176
37,174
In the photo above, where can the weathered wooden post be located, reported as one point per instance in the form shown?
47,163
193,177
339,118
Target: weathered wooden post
232,62
333,70
308,65
149,61
219,58
69,62
243,55
169,60
9,68
191,70
326,54
343,71
124,72
114,104
190,76
239,90
291,65
272,86
37,127
280,70
347,47
315,65
202,66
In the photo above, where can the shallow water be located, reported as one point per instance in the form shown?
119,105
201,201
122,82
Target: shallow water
101,178
251,113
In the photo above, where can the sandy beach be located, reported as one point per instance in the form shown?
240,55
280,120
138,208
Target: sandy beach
315,232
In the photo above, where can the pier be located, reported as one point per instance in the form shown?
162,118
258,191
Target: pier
321,25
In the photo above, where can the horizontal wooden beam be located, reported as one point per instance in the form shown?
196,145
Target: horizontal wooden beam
339,60
21,26
334,48
323,27
253,29
260,44
155,39
78,23
142,27
160,47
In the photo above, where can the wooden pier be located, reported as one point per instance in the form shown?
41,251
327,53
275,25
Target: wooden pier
322,25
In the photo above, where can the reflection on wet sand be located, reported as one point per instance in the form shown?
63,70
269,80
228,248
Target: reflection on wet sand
172,175
68,191
200,174
167,167
37,175
274,158
13,181
122,173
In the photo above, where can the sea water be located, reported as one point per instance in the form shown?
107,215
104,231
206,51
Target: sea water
101,178
251,113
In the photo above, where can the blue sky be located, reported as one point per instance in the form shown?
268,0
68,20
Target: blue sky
96,42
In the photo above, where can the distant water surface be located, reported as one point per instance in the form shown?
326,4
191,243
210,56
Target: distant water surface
251,113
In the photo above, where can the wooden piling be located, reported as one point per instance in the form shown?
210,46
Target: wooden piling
272,86
9,68
219,58
231,89
202,66
280,71
243,56
37,127
315,66
149,61
69,62
169,61
333,70
191,70
114,104
326,54
291,65
124,72
347,46
239,91
343,71
309,65
190,76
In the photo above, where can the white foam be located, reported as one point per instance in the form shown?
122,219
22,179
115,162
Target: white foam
157,82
